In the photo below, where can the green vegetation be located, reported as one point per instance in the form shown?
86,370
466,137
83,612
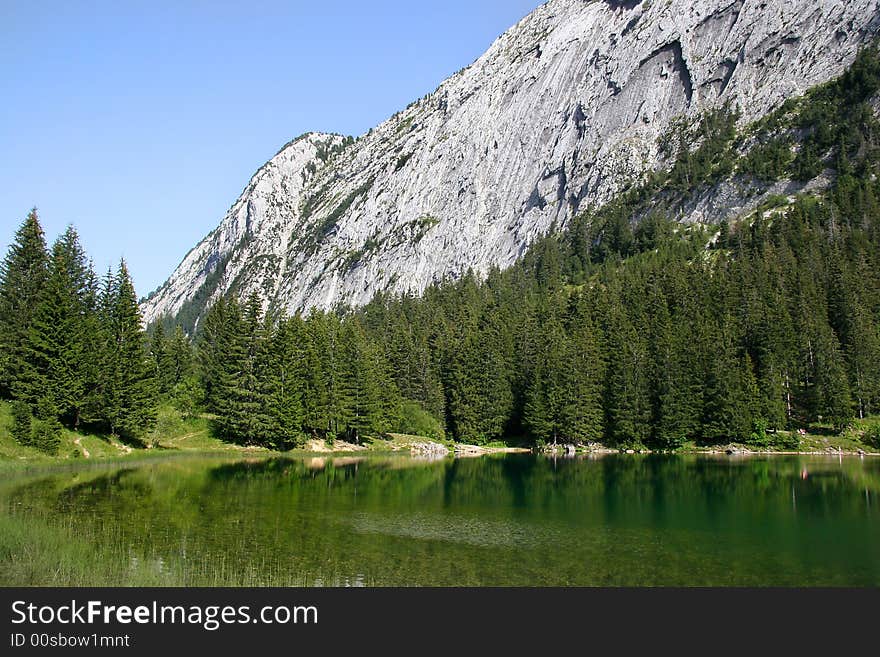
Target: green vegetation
329,222
830,126
864,432
193,309
75,349
401,161
627,329
416,421
274,383
326,152
172,432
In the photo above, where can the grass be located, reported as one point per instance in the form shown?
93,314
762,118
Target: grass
819,438
10,449
36,554
172,433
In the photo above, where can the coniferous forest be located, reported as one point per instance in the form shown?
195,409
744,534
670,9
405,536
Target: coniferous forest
71,344
626,328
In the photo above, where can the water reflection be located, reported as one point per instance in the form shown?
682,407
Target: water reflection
515,519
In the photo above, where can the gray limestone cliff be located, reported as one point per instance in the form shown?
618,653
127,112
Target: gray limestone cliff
562,111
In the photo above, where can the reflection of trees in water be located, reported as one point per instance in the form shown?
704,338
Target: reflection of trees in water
399,519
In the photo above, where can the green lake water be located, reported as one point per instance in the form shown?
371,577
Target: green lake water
512,520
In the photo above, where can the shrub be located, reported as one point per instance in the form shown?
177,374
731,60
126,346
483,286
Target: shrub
871,436
416,421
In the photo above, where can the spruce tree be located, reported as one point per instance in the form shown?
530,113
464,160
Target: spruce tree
95,341
247,415
286,373
676,394
863,357
158,351
549,397
833,402
129,400
319,375
628,394
55,368
214,343
23,276
583,417
179,357
21,423
359,394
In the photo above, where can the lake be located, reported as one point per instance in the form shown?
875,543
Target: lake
508,520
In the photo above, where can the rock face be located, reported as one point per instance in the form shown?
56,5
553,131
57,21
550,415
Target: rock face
560,113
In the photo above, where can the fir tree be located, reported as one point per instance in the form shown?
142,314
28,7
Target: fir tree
180,359
55,365
214,344
628,397
23,276
286,372
158,350
21,423
129,401
245,407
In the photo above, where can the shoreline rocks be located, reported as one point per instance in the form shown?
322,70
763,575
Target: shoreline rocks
430,450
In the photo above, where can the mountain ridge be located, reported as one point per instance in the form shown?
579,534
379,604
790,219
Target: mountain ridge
563,111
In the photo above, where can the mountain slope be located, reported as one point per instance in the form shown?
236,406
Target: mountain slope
562,111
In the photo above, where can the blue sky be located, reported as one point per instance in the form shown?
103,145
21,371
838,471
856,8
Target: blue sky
141,122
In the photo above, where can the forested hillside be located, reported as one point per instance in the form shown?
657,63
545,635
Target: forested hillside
627,328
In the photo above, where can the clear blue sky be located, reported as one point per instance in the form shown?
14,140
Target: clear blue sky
141,122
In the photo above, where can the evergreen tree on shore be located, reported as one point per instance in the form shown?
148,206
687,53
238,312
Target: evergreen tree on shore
128,405
55,363
23,275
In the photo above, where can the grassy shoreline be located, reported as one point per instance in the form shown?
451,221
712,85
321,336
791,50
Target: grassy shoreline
175,436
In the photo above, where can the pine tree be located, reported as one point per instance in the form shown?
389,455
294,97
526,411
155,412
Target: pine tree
833,402
547,397
56,356
479,394
583,417
319,374
23,276
730,393
359,393
159,353
246,405
214,344
863,356
22,423
95,348
676,392
286,374
129,399
628,396
179,355
46,429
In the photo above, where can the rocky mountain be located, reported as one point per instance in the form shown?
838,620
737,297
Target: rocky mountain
563,110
